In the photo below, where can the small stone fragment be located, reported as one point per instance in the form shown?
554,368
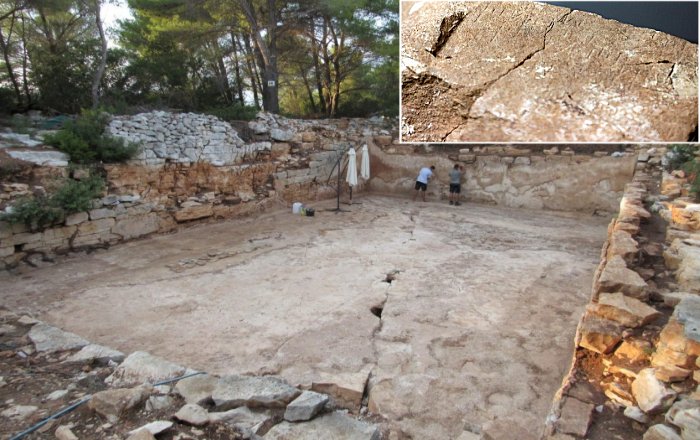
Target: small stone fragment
141,434
58,394
154,428
689,422
328,426
636,414
98,353
19,412
63,432
627,311
599,335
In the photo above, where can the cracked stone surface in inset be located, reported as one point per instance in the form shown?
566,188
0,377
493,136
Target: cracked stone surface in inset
525,71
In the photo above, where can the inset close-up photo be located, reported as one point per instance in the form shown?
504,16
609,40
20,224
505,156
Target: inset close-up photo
537,72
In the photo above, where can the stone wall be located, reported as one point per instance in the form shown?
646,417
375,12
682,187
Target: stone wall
637,343
194,167
558,178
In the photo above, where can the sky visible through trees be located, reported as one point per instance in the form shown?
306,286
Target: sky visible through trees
308,58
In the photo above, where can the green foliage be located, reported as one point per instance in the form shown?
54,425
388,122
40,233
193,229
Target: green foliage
235,112
70,197
683,157
680,155
85,142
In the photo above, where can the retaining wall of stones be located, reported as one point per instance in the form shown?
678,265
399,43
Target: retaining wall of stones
578,178
195,167
637,344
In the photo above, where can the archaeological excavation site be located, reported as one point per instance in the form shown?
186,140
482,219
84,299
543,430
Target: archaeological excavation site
192,299
534,72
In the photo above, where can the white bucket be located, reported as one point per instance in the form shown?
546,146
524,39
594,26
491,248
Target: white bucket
296,207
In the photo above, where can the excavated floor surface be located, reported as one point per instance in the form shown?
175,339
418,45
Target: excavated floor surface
475,332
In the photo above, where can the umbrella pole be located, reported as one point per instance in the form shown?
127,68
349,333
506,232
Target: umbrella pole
351,195
337,188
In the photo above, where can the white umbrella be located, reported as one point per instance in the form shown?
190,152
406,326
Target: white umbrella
364,166
351,177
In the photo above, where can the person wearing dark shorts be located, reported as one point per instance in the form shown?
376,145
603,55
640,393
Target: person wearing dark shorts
455,185
424,175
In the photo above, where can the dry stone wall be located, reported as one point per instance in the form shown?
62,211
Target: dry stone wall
589,178
193,167
637,344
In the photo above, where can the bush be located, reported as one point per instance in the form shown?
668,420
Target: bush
235,112
85,142
680,155
41,211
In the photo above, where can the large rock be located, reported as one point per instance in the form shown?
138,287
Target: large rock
616,277
192,414
245,419
346,389
267,392
575,417
524,71
50,339
141,367
661,432
651,394
330,426
194,212
197,389
599,335
47,158
305,407
622,244
114,403
627,311
689,422
96,353
685,258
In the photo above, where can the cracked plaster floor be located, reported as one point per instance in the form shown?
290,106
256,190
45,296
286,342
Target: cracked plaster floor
477,328
529,72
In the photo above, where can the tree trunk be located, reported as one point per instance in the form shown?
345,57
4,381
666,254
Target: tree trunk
317,67
221,73
267,52
237,69
5,46
302,73
97,78
328,80
25,63
254,79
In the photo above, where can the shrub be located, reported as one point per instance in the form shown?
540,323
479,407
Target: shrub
680,155
41,211
235,112
85,142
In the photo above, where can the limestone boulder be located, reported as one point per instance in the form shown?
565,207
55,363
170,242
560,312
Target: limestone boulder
51,339
194,212
154,428
96,353
575,417
661,432
114,403
141,367
267,392
346,389
628,311
622,244
305,407
243,418
688,420
329,426
192,414
650,393
616,277
600,335
684,257
197,389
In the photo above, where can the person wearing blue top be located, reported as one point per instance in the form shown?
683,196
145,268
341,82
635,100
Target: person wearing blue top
424,175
